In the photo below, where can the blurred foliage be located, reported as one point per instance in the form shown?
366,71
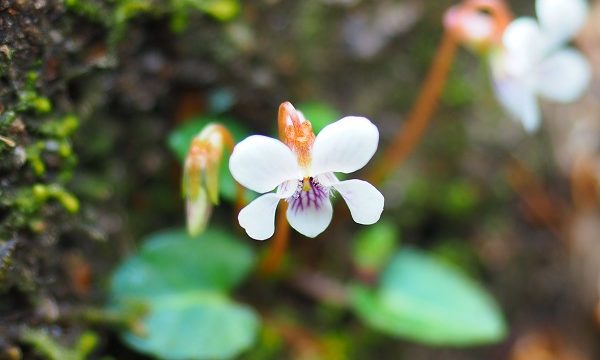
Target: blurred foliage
184,282
374,246
458,91
320,114
45,345
424,300
117,15
456,199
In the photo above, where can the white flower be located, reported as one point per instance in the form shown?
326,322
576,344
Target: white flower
302,171
535,61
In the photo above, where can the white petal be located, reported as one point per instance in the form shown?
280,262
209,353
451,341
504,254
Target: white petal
344,146
311,221
261,163
519,100
524,39
561,19
364,200
258,217
563,76
327,179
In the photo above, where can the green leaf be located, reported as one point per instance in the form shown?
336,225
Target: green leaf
173,261
195,325
374,246
427,301
319,114
179,141
182,283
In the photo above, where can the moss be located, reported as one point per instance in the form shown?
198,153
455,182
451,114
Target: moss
27,203
117,16
29,99
36,151
6,251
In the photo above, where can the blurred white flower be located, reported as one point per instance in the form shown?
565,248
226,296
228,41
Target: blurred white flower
536,61
478,24
302,171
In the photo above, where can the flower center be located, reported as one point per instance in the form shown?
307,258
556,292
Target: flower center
309,194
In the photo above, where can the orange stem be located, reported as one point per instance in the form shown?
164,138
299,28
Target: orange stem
418,119
271,262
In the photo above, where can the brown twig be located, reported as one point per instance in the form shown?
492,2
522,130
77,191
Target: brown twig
418,119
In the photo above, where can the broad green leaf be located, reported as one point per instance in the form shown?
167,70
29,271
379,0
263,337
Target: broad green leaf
195,325
172,261
182,283
319,114
374,246
180,139
427,301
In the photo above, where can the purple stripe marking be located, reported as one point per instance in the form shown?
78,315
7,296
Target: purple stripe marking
306,199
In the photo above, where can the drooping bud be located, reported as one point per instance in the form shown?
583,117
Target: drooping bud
201,175
478,24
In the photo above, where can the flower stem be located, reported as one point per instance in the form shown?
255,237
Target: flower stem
418,119
240,198
271,262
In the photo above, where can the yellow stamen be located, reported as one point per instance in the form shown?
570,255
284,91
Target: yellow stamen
306,187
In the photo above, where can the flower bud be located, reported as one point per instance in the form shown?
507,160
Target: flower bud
201,176
478,24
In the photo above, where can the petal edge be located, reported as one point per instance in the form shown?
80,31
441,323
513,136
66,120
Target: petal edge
258,217
344,146
311,221
363,199
261,163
